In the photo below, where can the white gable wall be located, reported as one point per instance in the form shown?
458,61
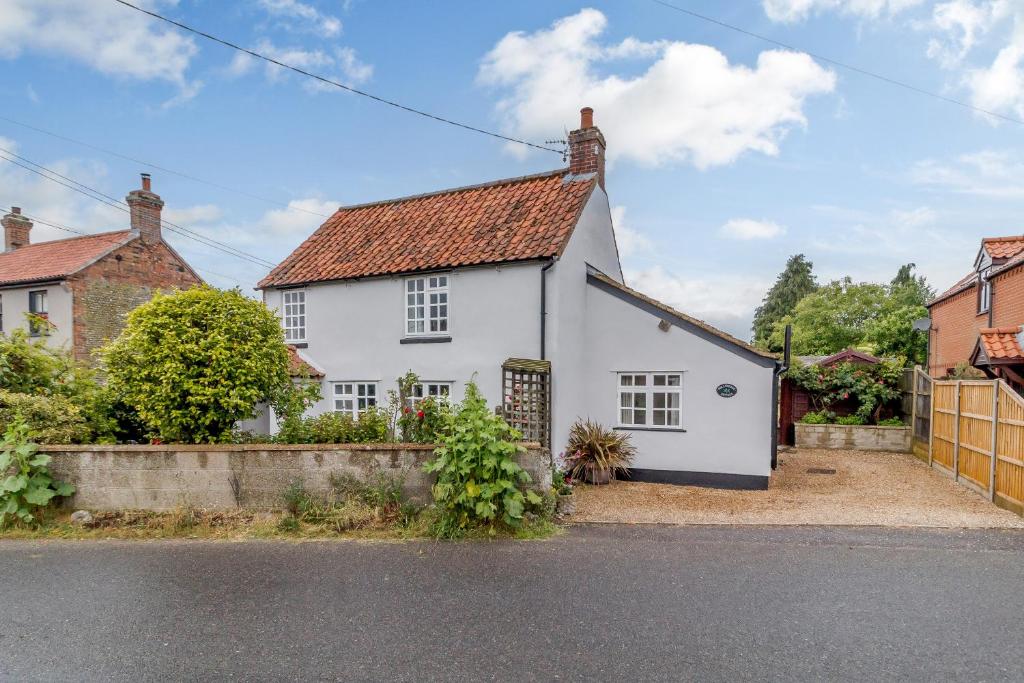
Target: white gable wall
58,300
593,242
354,330
723,435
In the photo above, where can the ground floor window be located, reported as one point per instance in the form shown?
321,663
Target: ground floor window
651,399
352,398
439,390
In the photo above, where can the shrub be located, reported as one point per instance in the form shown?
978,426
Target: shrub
48,419
478,479
196,362
850,420
371,427
815,418
891,422
593,449
25,481
872,386
355,504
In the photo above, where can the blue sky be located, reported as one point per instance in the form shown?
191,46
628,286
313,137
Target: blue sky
726,154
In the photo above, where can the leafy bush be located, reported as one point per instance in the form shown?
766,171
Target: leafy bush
478,479
355,504
371,427
426,422
891,422
48,419
592,449
26,484
849,420
872,386
815,418
196,362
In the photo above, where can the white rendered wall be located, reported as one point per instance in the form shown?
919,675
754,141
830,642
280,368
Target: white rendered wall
59,303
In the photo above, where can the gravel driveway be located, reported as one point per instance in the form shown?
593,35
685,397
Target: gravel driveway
868,488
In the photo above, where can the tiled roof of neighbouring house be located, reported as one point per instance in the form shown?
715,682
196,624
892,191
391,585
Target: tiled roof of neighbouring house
965,283
300,367
58,259
1002,343
1003,247
518,219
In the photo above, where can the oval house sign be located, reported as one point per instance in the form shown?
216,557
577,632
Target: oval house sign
727,390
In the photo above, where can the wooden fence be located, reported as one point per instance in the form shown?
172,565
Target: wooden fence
975,432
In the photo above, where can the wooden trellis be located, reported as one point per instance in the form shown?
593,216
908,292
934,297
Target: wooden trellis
526,398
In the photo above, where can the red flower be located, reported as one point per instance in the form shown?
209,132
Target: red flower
846,396
419,414
407,410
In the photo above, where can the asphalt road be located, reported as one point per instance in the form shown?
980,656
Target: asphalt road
599,603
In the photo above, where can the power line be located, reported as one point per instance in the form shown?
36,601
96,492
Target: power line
114,203
328,81
835,62
162,169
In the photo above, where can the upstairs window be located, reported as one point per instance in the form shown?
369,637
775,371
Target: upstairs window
294,317
984,291
39,314
353,398
439,390
426,305
651,399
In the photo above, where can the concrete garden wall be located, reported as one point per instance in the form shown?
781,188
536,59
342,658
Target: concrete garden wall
236,476
854,437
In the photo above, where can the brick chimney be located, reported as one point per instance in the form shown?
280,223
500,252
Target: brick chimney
586,147
16,229
145,208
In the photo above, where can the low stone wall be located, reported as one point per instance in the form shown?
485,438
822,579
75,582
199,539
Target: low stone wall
854,437
236,476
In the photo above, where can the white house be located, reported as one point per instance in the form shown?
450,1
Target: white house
453,284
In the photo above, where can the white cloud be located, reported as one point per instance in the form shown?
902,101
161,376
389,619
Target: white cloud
629,241
797,10
726,301
106,36
690,105
750,229
342,61
988,173
33,96
193,215
308,16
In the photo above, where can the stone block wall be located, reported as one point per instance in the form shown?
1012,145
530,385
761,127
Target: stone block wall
854,437
242,476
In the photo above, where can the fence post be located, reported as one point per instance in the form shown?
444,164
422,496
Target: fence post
956,433
913,406
931,423
995,442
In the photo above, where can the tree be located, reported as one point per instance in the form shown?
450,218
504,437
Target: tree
873,317
194,363
792,285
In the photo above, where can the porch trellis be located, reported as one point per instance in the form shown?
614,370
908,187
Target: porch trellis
526,398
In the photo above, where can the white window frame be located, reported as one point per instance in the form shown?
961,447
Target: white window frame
439,390
352,397
985,293
634,397
293,315
39,324
427,302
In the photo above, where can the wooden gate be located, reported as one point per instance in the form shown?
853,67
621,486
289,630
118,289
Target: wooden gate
526,398
977,437
921,412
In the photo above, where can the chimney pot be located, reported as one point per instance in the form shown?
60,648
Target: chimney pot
146,182
16,210
586,118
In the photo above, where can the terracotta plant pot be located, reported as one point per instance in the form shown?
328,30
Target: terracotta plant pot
598,476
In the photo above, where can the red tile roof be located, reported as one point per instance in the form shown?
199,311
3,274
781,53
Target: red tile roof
1002,343
518,219
1003,247
300,367
59,258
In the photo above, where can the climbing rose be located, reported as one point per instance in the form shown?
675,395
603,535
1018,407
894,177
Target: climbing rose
419,414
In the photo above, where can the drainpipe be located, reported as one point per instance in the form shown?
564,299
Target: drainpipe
544,307
779,370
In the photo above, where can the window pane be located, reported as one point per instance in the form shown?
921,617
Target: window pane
659,380
674,380
626,400
626,380
640,380
673,400
659,400
673,418
626,416
639,400
658,418
640,417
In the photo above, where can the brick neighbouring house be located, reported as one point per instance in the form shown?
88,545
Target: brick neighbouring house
978,320
80,289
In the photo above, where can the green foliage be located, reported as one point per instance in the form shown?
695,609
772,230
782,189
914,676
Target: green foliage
964,370
792,285
194,363
291,407
26,485
874,317
353,504
592,449
478,480
815,417
850,420
891,422
872,386
371,427
49,419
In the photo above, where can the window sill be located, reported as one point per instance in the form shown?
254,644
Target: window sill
298,344
648,429
424,340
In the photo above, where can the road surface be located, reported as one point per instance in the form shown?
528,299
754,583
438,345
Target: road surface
597,603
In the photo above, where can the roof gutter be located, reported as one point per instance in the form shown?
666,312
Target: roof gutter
544,307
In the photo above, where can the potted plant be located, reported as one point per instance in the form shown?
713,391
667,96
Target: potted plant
561,486
596,455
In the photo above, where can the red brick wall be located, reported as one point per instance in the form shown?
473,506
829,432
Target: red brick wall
107,290
1008,298
955,326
